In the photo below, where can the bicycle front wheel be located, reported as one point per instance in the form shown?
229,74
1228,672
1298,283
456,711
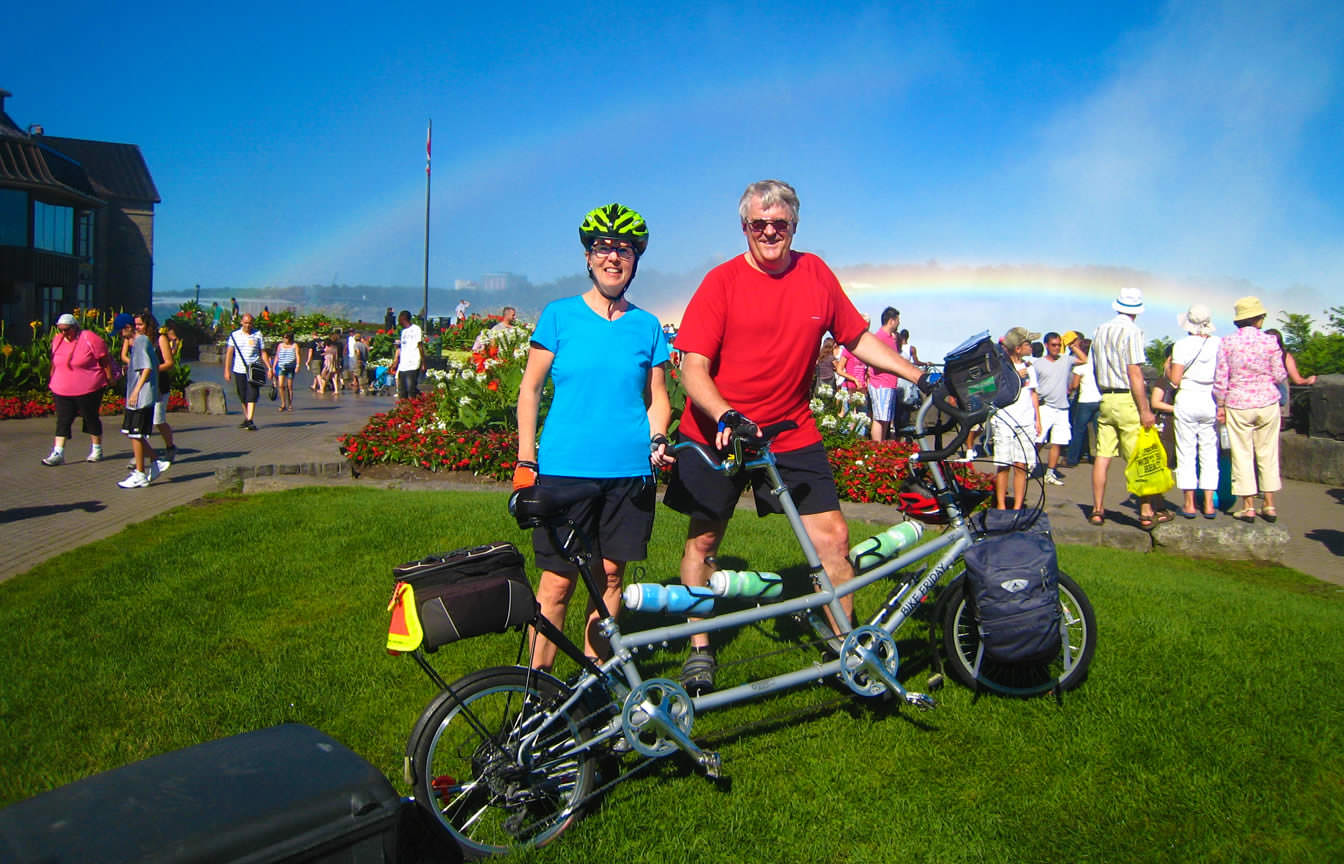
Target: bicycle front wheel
496,766
1078,629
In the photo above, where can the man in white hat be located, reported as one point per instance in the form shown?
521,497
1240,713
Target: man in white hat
1117,361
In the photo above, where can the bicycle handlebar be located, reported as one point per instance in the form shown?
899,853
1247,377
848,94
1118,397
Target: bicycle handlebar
743,447
939,400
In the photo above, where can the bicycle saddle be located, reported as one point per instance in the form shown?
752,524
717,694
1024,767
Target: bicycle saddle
535,505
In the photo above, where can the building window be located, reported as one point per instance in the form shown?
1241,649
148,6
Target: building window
13,217
84,236
84,295
53,227
52,303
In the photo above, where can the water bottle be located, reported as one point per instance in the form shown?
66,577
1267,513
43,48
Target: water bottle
1224,440
652,597
880,547
751,584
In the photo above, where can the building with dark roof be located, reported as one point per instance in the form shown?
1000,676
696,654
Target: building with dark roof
76,226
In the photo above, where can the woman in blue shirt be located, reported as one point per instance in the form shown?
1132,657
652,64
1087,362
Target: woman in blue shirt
607,422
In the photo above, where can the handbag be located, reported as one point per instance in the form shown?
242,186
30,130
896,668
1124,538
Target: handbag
256,370
1147,472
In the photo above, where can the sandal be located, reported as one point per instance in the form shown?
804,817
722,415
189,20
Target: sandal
1269,514
1146,522
1189,514
1247,516
1097,518
1162,516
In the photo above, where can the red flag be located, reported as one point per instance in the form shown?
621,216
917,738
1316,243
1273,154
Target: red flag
429,135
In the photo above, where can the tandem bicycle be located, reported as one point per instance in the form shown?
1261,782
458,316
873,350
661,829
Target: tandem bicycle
509,756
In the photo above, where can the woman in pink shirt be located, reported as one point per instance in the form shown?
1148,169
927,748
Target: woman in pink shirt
1245,389
80,371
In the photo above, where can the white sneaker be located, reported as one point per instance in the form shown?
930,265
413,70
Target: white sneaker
95,455
55,457
161,465
1053,478
137,480
152,472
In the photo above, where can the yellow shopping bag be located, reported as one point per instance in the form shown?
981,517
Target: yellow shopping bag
1147,473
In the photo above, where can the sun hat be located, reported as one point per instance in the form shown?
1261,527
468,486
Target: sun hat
1017,336
67,320
1197,320
123,319
1130,301
1248,308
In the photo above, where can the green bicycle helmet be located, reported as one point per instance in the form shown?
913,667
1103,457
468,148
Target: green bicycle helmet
615,222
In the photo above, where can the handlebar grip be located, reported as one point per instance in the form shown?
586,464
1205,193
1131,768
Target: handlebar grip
965,420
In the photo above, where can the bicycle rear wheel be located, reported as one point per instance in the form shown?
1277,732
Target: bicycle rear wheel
1078,626
484,773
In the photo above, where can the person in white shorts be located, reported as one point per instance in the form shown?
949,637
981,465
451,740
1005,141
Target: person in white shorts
1015,429
1053,372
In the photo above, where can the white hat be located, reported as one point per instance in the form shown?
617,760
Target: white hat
1197,320
67,320
1130,301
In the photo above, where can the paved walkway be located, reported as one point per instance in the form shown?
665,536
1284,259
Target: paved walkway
48,510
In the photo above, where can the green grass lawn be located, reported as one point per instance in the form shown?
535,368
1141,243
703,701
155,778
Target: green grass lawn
1209,728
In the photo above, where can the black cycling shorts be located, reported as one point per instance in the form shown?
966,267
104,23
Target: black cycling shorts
703,493
618,522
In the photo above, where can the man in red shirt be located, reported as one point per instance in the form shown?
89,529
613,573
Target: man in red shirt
749,341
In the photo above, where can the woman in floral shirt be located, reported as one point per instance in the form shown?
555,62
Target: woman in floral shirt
1245,388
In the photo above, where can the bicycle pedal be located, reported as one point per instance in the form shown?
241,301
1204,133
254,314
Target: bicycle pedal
935,682
921,701
711,763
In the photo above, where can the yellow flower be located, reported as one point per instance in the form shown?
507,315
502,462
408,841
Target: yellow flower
6,349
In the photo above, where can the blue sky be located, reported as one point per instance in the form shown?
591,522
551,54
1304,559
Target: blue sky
1194,142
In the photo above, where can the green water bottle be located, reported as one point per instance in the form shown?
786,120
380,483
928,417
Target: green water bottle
880,547
749,584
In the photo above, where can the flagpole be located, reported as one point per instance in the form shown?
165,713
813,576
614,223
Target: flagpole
424,310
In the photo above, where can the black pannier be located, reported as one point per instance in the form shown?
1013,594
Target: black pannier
469,592
1012,584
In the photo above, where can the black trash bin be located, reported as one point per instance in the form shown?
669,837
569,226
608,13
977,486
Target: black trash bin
288,793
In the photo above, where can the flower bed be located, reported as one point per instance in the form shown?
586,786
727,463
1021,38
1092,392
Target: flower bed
872,471
39,404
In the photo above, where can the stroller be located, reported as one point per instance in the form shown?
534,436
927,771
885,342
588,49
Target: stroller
382,381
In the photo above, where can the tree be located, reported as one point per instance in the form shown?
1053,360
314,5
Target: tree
1296,331
1157,352
1316,353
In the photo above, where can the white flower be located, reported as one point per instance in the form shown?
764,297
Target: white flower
817,406
829,422
825,391
464,400
520,352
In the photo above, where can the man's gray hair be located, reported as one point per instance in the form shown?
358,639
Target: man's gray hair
771,192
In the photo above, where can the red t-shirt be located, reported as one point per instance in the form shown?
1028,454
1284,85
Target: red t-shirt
761,334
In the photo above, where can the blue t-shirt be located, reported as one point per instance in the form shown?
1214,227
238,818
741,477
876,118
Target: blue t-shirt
598,425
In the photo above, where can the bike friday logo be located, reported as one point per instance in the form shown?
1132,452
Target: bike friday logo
1012,586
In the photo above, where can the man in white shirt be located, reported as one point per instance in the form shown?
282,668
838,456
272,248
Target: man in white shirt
408,359
1053,372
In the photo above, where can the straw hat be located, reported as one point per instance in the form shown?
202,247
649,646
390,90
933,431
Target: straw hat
1197,320
1248,308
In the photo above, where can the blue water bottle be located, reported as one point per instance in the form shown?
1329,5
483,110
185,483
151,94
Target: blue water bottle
652,597
878,548
749,584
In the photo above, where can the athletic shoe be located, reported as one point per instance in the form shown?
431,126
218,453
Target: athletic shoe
95,455
55,457
697,673
1054,478
137,480
161,465
969,457
250,426
152,472
243,425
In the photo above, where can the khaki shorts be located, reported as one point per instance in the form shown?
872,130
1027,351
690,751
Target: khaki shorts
1117,426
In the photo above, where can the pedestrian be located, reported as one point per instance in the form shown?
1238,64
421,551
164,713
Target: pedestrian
80,371
142,384
826,366
1086,403
748,341
1015,429
408,358
1053,373
1117,361
389,320
284,368
246,347
354,362
606,358
1294,377
1194,359
1245,389
166,342
882,385
216,313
